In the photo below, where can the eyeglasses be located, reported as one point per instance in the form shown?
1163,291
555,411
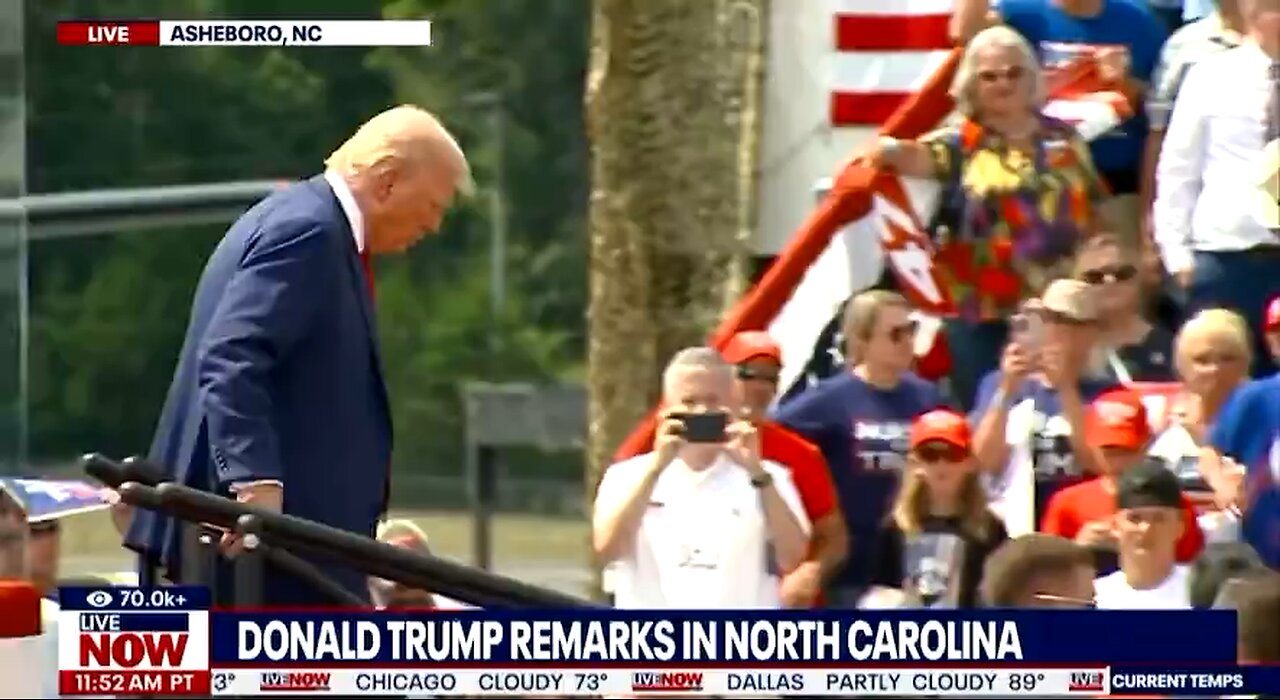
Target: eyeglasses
935,452
1012,74
1112,273
1060,601
749,373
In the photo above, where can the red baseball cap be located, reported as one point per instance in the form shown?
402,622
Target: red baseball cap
1271,319
941,425
1118,418
751,345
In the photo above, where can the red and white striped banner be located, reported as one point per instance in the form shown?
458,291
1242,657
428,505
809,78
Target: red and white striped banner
885,52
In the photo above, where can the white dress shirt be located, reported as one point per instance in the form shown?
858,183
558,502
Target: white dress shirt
347,201
355,219
1208,175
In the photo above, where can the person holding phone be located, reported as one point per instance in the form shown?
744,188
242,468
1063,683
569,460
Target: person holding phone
1028,422
757,362
701,521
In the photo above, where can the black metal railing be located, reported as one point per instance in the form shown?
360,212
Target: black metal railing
274,539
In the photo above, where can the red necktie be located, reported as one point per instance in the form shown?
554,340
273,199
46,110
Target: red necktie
367,263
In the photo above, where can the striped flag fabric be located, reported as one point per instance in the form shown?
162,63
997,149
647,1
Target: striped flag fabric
885,52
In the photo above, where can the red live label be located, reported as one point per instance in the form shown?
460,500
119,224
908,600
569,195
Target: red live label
119,33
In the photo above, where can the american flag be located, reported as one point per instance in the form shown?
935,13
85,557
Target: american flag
885,51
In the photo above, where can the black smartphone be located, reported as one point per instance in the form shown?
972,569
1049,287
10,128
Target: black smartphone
704,427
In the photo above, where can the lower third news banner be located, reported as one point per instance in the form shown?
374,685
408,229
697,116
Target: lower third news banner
162,648
133,641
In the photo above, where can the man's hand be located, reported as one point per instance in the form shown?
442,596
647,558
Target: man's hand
1229,486
744,446
1185,277
801,587
1057,370
1113,64
1015,364
668,439
266,496
1099,533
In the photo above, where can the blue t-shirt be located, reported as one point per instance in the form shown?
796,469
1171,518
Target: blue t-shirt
1052,458
1248,431
862,432
1059,38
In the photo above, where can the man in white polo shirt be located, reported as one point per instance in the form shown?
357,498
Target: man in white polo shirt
701,521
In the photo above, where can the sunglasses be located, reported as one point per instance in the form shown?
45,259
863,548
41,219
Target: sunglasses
1011,74
749,373
1059,601
1110,274
935,452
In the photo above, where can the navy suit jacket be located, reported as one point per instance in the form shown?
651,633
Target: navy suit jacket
279,378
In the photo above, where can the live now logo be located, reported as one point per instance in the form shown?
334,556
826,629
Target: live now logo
133,641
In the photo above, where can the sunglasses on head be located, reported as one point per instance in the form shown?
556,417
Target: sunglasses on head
1111,273
1011,74
748,373
935,452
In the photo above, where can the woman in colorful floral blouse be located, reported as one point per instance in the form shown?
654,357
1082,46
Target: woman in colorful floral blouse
1019,192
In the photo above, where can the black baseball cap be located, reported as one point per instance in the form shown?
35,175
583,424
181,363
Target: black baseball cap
1148,484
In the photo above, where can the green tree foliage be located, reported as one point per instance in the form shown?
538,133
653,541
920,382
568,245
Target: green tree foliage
108,313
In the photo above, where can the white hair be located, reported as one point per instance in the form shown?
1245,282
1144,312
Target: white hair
401,131
999,36
696,358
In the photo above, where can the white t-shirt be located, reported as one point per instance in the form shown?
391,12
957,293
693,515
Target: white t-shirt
702,542
1113,592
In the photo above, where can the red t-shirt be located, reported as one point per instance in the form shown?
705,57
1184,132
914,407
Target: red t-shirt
1073,507
804,461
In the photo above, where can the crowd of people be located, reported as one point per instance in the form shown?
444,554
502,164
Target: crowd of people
1036,473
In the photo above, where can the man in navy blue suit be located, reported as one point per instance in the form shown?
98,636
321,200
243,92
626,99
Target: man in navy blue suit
278,398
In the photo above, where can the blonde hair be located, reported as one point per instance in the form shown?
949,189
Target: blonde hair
1000,36
861,315
911,505
1218,325
403,132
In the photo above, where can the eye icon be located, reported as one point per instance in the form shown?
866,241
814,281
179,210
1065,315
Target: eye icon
99,599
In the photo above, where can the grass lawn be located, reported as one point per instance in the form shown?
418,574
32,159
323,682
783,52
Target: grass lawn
547,550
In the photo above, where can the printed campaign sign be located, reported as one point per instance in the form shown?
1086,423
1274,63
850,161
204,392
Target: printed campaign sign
50,499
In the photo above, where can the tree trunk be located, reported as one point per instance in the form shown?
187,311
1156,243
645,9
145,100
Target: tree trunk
672,116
